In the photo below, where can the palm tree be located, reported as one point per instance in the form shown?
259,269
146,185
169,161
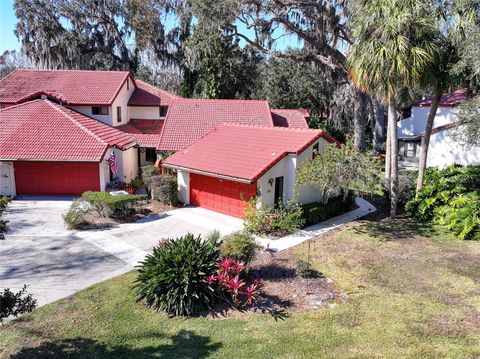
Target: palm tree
452,20
392,47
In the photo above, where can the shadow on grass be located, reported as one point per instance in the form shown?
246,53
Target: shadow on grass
401,228
185,344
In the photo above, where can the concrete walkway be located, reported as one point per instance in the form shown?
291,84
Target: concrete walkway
307,233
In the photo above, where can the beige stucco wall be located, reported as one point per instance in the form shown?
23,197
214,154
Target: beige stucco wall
144,112
87,110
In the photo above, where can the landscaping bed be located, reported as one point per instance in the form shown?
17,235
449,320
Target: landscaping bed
283,291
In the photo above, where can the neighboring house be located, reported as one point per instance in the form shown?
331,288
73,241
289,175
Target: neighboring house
444,148
235,162
59,128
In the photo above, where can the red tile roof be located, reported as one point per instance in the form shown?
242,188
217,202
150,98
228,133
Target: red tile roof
190,119
148,95
146,132
452,99
42,130
290,118
73,87
243,152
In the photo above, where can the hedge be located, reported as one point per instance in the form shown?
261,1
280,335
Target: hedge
108,205
316,212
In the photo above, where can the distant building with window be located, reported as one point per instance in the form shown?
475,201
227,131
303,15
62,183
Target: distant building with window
445,148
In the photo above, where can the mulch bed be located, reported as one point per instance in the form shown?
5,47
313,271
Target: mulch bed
283,291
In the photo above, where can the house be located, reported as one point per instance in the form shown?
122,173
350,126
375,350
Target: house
61,129
234,162
445,147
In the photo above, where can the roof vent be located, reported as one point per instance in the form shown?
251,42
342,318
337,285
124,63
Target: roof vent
43,97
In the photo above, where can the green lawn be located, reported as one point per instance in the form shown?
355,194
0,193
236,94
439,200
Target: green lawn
413,292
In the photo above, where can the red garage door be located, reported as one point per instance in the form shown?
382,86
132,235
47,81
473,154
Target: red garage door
220,195
56,178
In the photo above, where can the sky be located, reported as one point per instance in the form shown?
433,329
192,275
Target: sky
8,20
8,40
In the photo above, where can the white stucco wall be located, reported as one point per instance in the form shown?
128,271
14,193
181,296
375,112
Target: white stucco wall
287,168
144,112
122,101
415,124
183,181
87,110
445,150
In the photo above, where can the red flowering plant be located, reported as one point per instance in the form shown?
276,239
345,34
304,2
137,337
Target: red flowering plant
230,283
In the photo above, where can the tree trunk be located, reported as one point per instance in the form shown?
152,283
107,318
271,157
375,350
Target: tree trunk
422,164
360,120
392,128
388,153
378,127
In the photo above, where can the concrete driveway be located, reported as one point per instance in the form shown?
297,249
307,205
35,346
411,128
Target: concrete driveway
55,262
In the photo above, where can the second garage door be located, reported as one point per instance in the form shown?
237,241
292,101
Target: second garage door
56,178
220,195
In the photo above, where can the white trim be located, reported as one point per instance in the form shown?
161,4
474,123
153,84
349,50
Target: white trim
209,174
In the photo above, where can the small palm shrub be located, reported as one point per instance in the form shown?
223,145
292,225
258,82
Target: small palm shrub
272,221
4,200
172,278
239,246
75,216
451,198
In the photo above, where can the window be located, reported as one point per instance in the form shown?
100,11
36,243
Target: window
97,110
163,111
315,151
119,114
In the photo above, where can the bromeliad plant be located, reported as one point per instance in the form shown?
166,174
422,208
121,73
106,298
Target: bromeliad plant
231,285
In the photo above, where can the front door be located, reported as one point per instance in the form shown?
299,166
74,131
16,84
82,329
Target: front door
6,179
278,191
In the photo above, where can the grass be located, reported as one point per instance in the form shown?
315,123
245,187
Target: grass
413,292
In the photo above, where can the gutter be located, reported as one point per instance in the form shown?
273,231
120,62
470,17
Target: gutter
210,174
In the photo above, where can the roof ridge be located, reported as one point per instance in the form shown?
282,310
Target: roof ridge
217,99
67,70
160,89
275,128
68,116
11,72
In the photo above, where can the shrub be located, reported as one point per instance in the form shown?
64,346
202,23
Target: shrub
4,200
239,246
109,206
14,304
172,278
451,198
164,189
316,212
230,284
461,216
274,221
148,172
75,216
304,269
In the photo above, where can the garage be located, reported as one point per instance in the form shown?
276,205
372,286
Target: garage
220,195
56,178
